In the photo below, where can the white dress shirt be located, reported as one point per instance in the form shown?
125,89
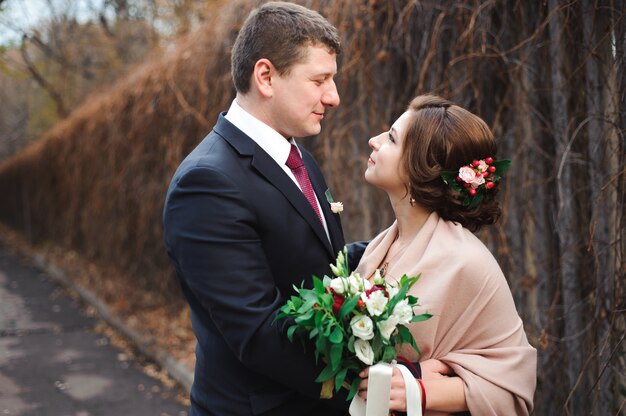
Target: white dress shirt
272,142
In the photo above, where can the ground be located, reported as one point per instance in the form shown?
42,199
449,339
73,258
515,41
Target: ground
166,322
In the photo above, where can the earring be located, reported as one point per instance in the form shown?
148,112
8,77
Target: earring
412,201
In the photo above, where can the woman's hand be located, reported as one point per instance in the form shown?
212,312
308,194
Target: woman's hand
397,398
431,369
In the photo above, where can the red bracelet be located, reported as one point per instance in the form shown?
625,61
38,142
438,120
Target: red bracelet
421,383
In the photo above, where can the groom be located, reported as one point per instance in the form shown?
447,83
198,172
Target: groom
247,216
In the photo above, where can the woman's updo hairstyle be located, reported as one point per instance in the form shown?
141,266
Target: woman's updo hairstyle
442,136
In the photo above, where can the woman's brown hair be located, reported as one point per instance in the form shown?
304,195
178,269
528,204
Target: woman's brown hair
444,137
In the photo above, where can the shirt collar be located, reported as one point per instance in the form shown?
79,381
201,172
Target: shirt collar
272,142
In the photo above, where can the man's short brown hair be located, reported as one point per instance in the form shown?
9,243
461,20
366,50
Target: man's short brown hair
279,32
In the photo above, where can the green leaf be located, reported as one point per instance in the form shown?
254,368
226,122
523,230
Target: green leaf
476,199
307,305
449,177
307,295
421,318
501,166
389,354
336,351
326,374
320,344
340,377
336,336
351,344
348,306
318,285
404,333
407,337
313,333
291,331
377,346
326,300
326,281
354,388
305,317
329,197
296,302
405,284
319,319
328,329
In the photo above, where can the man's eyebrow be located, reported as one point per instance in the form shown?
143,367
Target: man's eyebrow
324,74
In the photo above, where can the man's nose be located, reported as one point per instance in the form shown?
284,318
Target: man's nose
331,96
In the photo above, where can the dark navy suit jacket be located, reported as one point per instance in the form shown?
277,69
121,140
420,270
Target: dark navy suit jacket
240,233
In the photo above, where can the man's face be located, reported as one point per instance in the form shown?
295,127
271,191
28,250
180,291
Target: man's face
302,95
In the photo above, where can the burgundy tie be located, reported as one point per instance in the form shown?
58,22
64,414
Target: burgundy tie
294,162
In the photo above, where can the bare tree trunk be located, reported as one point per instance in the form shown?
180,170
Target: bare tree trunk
566,219
541,251
601,110
617,79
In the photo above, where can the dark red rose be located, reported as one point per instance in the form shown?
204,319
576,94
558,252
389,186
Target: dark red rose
338,302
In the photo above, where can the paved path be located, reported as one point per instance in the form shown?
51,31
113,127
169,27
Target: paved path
53,362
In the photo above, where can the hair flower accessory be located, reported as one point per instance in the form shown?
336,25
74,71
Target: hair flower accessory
473,180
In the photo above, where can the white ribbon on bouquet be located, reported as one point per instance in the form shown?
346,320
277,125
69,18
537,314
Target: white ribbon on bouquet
379,390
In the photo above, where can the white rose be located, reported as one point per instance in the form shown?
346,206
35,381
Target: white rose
467,174
478,180
338,285
364,351
482,165
362,327
387,326
375,303
403,312
336,207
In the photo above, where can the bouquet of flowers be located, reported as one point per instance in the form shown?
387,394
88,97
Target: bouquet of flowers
352,322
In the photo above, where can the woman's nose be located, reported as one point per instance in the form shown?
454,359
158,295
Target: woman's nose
373,143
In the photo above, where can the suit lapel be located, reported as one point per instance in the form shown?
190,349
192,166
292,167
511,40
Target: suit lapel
332,221
268,168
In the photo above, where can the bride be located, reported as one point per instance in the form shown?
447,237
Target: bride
474,353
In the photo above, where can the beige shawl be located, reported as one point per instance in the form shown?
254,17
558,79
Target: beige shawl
475,327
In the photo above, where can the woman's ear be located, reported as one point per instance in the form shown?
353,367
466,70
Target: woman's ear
262,77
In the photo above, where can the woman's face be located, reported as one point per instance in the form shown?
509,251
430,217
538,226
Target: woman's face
384,169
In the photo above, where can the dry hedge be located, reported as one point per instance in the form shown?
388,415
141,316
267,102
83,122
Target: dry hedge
547,76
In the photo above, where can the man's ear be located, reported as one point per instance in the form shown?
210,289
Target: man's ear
262,77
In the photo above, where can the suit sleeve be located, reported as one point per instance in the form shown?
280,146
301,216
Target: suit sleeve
355,252
211,232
